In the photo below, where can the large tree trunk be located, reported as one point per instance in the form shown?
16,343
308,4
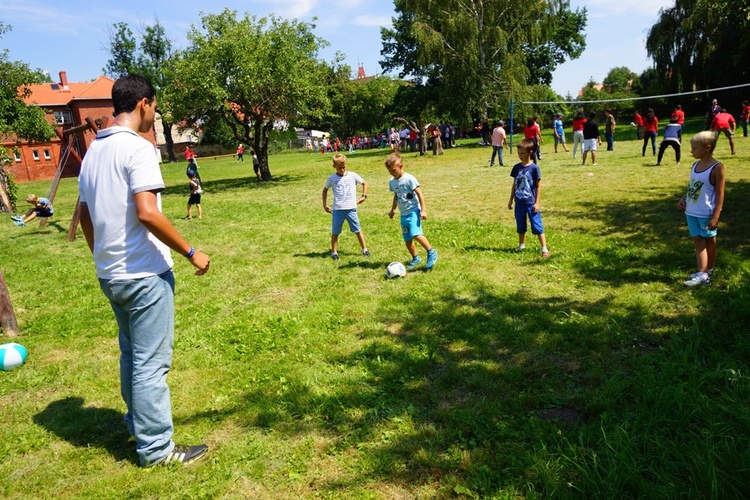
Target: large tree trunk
7,316
259,143
168,139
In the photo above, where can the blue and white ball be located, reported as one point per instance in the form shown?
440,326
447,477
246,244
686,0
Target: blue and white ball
12,355
395,270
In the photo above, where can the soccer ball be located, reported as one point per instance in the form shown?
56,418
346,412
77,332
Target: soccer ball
395,270
12,355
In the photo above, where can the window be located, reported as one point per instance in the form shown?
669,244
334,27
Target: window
63,117
47,156
17,155
36,155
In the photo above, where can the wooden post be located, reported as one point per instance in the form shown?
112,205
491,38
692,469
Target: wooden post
7,317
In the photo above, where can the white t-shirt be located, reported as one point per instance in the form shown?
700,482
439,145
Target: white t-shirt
118,165
344,190
404,187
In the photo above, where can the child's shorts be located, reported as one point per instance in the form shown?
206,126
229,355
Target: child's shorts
698,226
411,225
589,145
522,210
560,139
195,199
339,216
43,213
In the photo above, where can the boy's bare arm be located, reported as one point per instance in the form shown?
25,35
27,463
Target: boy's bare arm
325,200
538,188
719,177
512,195
364,193
393,207
423,207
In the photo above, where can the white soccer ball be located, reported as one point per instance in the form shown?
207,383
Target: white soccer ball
12,355
395,270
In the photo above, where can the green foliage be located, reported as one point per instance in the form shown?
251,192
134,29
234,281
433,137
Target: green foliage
701,44
251,73
122,48
16,118
481,50
363,106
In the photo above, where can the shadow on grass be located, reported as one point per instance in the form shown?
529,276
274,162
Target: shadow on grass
230,184
87,426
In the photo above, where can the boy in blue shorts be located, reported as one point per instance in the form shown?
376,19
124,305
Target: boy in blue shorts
345,201
42,208
702,204
526,192
408,197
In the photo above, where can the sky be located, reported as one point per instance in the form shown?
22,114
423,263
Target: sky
72,35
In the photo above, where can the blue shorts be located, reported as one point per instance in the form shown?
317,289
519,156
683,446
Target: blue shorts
339,216
411,225
525,209
698,226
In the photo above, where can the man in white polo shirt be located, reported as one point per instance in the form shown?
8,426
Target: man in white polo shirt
120,191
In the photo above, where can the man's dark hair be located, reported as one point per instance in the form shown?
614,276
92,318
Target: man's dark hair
128,90
592,116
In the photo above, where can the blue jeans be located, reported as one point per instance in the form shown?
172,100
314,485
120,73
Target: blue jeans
144,309
497,150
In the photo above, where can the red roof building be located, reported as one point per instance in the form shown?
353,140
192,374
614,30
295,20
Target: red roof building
67,104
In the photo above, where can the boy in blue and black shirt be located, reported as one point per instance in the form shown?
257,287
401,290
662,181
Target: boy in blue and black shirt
526,192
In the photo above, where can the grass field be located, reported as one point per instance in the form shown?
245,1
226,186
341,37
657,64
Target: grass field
594,373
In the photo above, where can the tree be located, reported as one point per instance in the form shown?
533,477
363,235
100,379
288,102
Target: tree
360,106
701,44
620,79
24,123
252,74
17,119
153,60
482,50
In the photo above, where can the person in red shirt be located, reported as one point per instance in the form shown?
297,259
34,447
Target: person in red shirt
678,114
531,132
650,125
578,122
638,121
745,117
724,122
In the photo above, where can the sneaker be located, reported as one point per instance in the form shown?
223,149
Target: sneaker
697,275
187,218
414,263
519,248
16,217
334,256
431,259
593,164
19,223
366,252
546,254
185,454
701,279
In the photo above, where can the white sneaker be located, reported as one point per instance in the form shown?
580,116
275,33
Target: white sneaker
701,279
697,275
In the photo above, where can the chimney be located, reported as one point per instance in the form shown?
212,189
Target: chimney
361,71
64,79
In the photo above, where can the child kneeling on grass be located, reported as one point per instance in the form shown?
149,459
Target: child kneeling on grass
526,192
702,205
407,195
345,201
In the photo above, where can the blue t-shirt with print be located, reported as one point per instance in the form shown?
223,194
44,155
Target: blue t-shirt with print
525,177
404,188
558,126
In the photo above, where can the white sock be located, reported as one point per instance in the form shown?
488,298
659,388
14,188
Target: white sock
521,246
544,249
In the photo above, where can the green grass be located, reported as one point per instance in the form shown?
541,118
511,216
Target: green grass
497,375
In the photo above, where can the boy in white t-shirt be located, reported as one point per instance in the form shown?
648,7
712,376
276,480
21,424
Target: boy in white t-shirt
345,201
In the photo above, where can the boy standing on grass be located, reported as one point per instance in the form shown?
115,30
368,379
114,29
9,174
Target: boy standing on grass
42,208
407,195
526,192
195,198
702,205
344,185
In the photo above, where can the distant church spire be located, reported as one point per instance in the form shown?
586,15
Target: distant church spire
361,71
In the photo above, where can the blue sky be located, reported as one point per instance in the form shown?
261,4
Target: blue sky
72,35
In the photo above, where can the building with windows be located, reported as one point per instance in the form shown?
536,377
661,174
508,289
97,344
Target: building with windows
67,104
